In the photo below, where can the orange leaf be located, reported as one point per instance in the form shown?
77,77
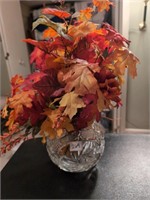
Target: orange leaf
59,13
85,14
58,122
47,130
50,32
11,119
4,112
67,124
16,82
102,4
81,30
19,100
100,101
121,59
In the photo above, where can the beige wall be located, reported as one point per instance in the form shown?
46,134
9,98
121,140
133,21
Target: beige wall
12,33
5,85
138,90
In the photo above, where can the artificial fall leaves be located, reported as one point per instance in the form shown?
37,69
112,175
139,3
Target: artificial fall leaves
79,72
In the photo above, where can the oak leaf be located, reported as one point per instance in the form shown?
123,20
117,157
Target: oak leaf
71,101
85,14
58,122
101,101
81,79
82,29
11,119
22,99
102,4
115,38
16,83
120,59
4,112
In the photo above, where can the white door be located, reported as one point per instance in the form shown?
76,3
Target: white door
12,33
134,116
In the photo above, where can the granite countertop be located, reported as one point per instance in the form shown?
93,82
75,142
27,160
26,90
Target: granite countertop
123,173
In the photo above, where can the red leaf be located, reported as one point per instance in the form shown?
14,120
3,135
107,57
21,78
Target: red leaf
43,45
91,48
114,36
32,79
88,113
59,13
47,84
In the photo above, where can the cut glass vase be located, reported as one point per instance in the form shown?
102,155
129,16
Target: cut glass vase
78,151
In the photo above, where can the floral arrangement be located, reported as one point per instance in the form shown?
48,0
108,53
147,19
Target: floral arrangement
79,73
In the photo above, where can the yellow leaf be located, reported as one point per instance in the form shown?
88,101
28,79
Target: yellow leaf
71,101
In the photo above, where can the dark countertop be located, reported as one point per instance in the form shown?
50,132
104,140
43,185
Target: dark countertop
123,173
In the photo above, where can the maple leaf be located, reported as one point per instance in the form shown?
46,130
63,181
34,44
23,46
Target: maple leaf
85,14
59,13
121,59
71,101
102,4
22,99
81,79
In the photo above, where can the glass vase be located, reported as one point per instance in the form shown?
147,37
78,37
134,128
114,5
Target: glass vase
78,151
